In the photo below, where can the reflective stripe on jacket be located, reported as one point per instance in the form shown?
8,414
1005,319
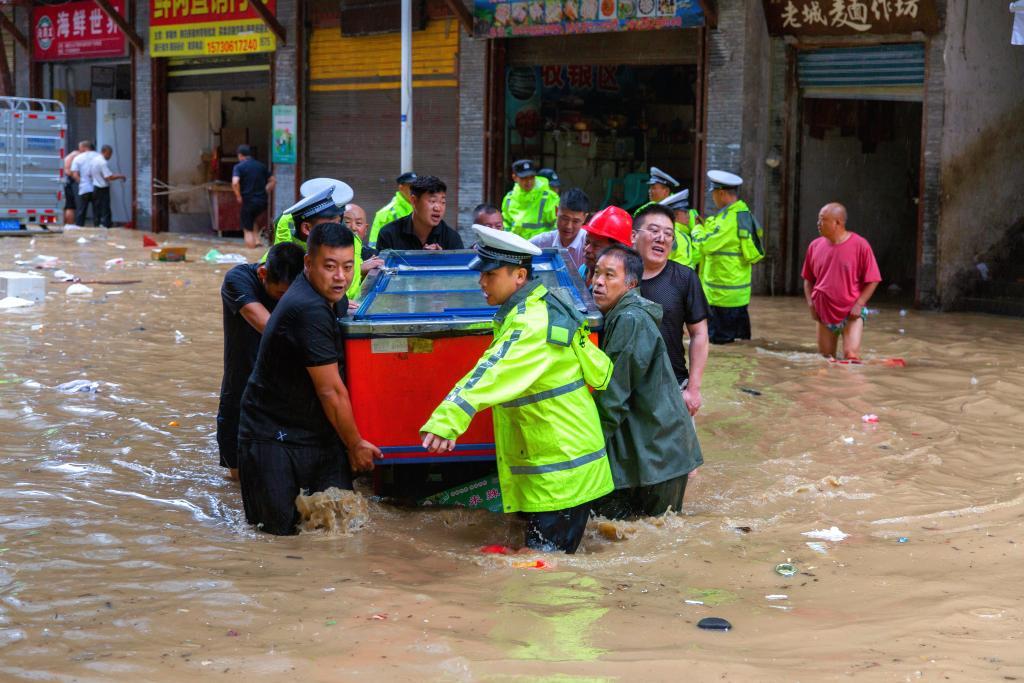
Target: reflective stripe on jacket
547,433
528,214
398,207
730,241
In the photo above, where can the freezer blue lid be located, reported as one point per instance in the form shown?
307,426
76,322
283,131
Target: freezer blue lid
436,291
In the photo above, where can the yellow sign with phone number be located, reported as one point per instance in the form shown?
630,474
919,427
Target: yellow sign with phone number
209,39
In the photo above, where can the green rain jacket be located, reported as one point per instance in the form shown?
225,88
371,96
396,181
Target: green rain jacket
730,242
528,214
534,375
398,207
648,431
284,231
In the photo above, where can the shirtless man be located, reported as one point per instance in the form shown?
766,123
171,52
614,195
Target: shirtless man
840,275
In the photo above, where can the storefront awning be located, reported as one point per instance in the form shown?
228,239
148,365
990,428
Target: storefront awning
534,18
884,72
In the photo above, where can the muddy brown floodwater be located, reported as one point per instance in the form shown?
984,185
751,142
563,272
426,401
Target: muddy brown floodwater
124,555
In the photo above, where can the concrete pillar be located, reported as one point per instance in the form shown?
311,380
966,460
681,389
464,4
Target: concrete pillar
142,105
472,84
287,86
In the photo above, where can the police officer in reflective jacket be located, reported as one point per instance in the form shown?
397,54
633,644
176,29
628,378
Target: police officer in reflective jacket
730,242
530,208
550,450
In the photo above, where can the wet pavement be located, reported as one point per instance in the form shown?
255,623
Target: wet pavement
124,555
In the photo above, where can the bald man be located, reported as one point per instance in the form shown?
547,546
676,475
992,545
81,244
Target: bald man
840,275
355,219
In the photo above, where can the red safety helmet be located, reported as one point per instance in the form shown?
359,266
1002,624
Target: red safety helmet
613,223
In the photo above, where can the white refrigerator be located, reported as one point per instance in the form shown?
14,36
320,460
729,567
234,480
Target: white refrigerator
114,128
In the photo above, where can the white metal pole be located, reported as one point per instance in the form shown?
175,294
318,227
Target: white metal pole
406,86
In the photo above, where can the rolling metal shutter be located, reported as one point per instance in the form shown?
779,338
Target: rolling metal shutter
244,72
354,117
882,72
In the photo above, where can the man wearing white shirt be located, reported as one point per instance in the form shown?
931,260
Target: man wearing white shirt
101,176
81,172
569,233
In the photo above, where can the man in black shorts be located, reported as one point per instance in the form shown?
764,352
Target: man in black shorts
252,183
249,294
680,294
297,432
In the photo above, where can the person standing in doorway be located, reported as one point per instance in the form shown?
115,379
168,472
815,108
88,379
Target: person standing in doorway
71,187
840,275
101,177
730,242
81,172
252,183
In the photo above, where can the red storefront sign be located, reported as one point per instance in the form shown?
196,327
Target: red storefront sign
76,30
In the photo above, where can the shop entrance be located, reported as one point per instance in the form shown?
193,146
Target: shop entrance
602,109
213,106
860,135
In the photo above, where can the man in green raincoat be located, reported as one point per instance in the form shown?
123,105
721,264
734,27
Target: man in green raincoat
530,208
652,445
535,375
730,242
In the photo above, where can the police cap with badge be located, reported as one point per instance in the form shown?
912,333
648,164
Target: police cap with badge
723,180
496,248
524,168
319,205
659,177
678,201
341,191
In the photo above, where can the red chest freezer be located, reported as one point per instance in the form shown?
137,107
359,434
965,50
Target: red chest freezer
422,325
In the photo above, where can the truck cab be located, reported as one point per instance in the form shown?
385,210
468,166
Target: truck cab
33,139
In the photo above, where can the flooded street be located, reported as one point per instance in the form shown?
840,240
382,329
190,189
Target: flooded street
124,555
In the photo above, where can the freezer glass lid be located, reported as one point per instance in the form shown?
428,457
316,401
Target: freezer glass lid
439,286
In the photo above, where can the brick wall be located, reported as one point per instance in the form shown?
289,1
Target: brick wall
472,84
22,19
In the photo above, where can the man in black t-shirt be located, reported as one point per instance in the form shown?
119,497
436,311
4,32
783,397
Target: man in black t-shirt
297,432
249,293
678,290
424,228
252,184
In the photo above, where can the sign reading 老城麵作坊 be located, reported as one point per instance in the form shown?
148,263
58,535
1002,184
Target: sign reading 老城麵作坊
850,17
75,30
506,18
208,28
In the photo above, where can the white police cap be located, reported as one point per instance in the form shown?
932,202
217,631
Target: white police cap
342,192
659,176
723,180
496,248
319,205
678,201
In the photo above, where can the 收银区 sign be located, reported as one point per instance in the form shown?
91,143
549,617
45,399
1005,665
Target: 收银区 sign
849,17
76,30
285,121
207,28
506,18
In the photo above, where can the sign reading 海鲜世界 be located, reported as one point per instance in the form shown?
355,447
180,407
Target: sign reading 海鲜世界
208,28
75,30
507,18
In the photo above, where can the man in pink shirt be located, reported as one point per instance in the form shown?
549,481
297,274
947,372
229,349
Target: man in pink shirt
840,275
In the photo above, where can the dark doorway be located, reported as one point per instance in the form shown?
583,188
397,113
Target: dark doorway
865,154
